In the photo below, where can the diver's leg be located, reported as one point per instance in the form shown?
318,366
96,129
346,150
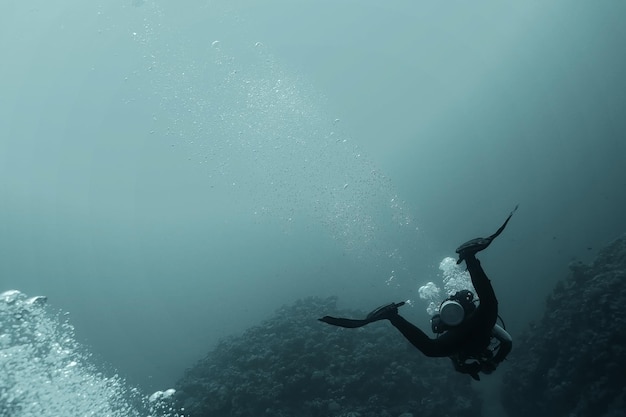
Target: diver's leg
488,307
419,339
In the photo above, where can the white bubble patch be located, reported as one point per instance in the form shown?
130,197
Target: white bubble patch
454,278
45,372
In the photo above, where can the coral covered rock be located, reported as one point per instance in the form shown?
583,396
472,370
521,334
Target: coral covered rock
573,363
293,365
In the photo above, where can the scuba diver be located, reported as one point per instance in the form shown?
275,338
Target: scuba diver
468,334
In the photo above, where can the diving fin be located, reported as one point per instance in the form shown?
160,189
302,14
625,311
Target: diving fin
381,313
342,322
476,245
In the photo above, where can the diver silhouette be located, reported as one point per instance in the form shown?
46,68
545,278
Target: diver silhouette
466,333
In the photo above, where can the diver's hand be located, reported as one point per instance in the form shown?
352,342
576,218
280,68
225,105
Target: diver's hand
472,369
488,367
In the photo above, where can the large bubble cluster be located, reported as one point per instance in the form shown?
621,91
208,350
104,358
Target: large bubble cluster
45,372
454,278
258,129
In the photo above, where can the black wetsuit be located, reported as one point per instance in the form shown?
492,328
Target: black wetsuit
472,337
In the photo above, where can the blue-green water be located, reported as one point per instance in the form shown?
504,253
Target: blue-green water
172,173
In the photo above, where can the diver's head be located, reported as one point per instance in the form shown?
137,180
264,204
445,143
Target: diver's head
453,311
466,299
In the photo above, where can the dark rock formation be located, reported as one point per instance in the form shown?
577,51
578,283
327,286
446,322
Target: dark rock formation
573,363
293,365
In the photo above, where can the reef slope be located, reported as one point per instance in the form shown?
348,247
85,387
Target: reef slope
573,362
293,365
